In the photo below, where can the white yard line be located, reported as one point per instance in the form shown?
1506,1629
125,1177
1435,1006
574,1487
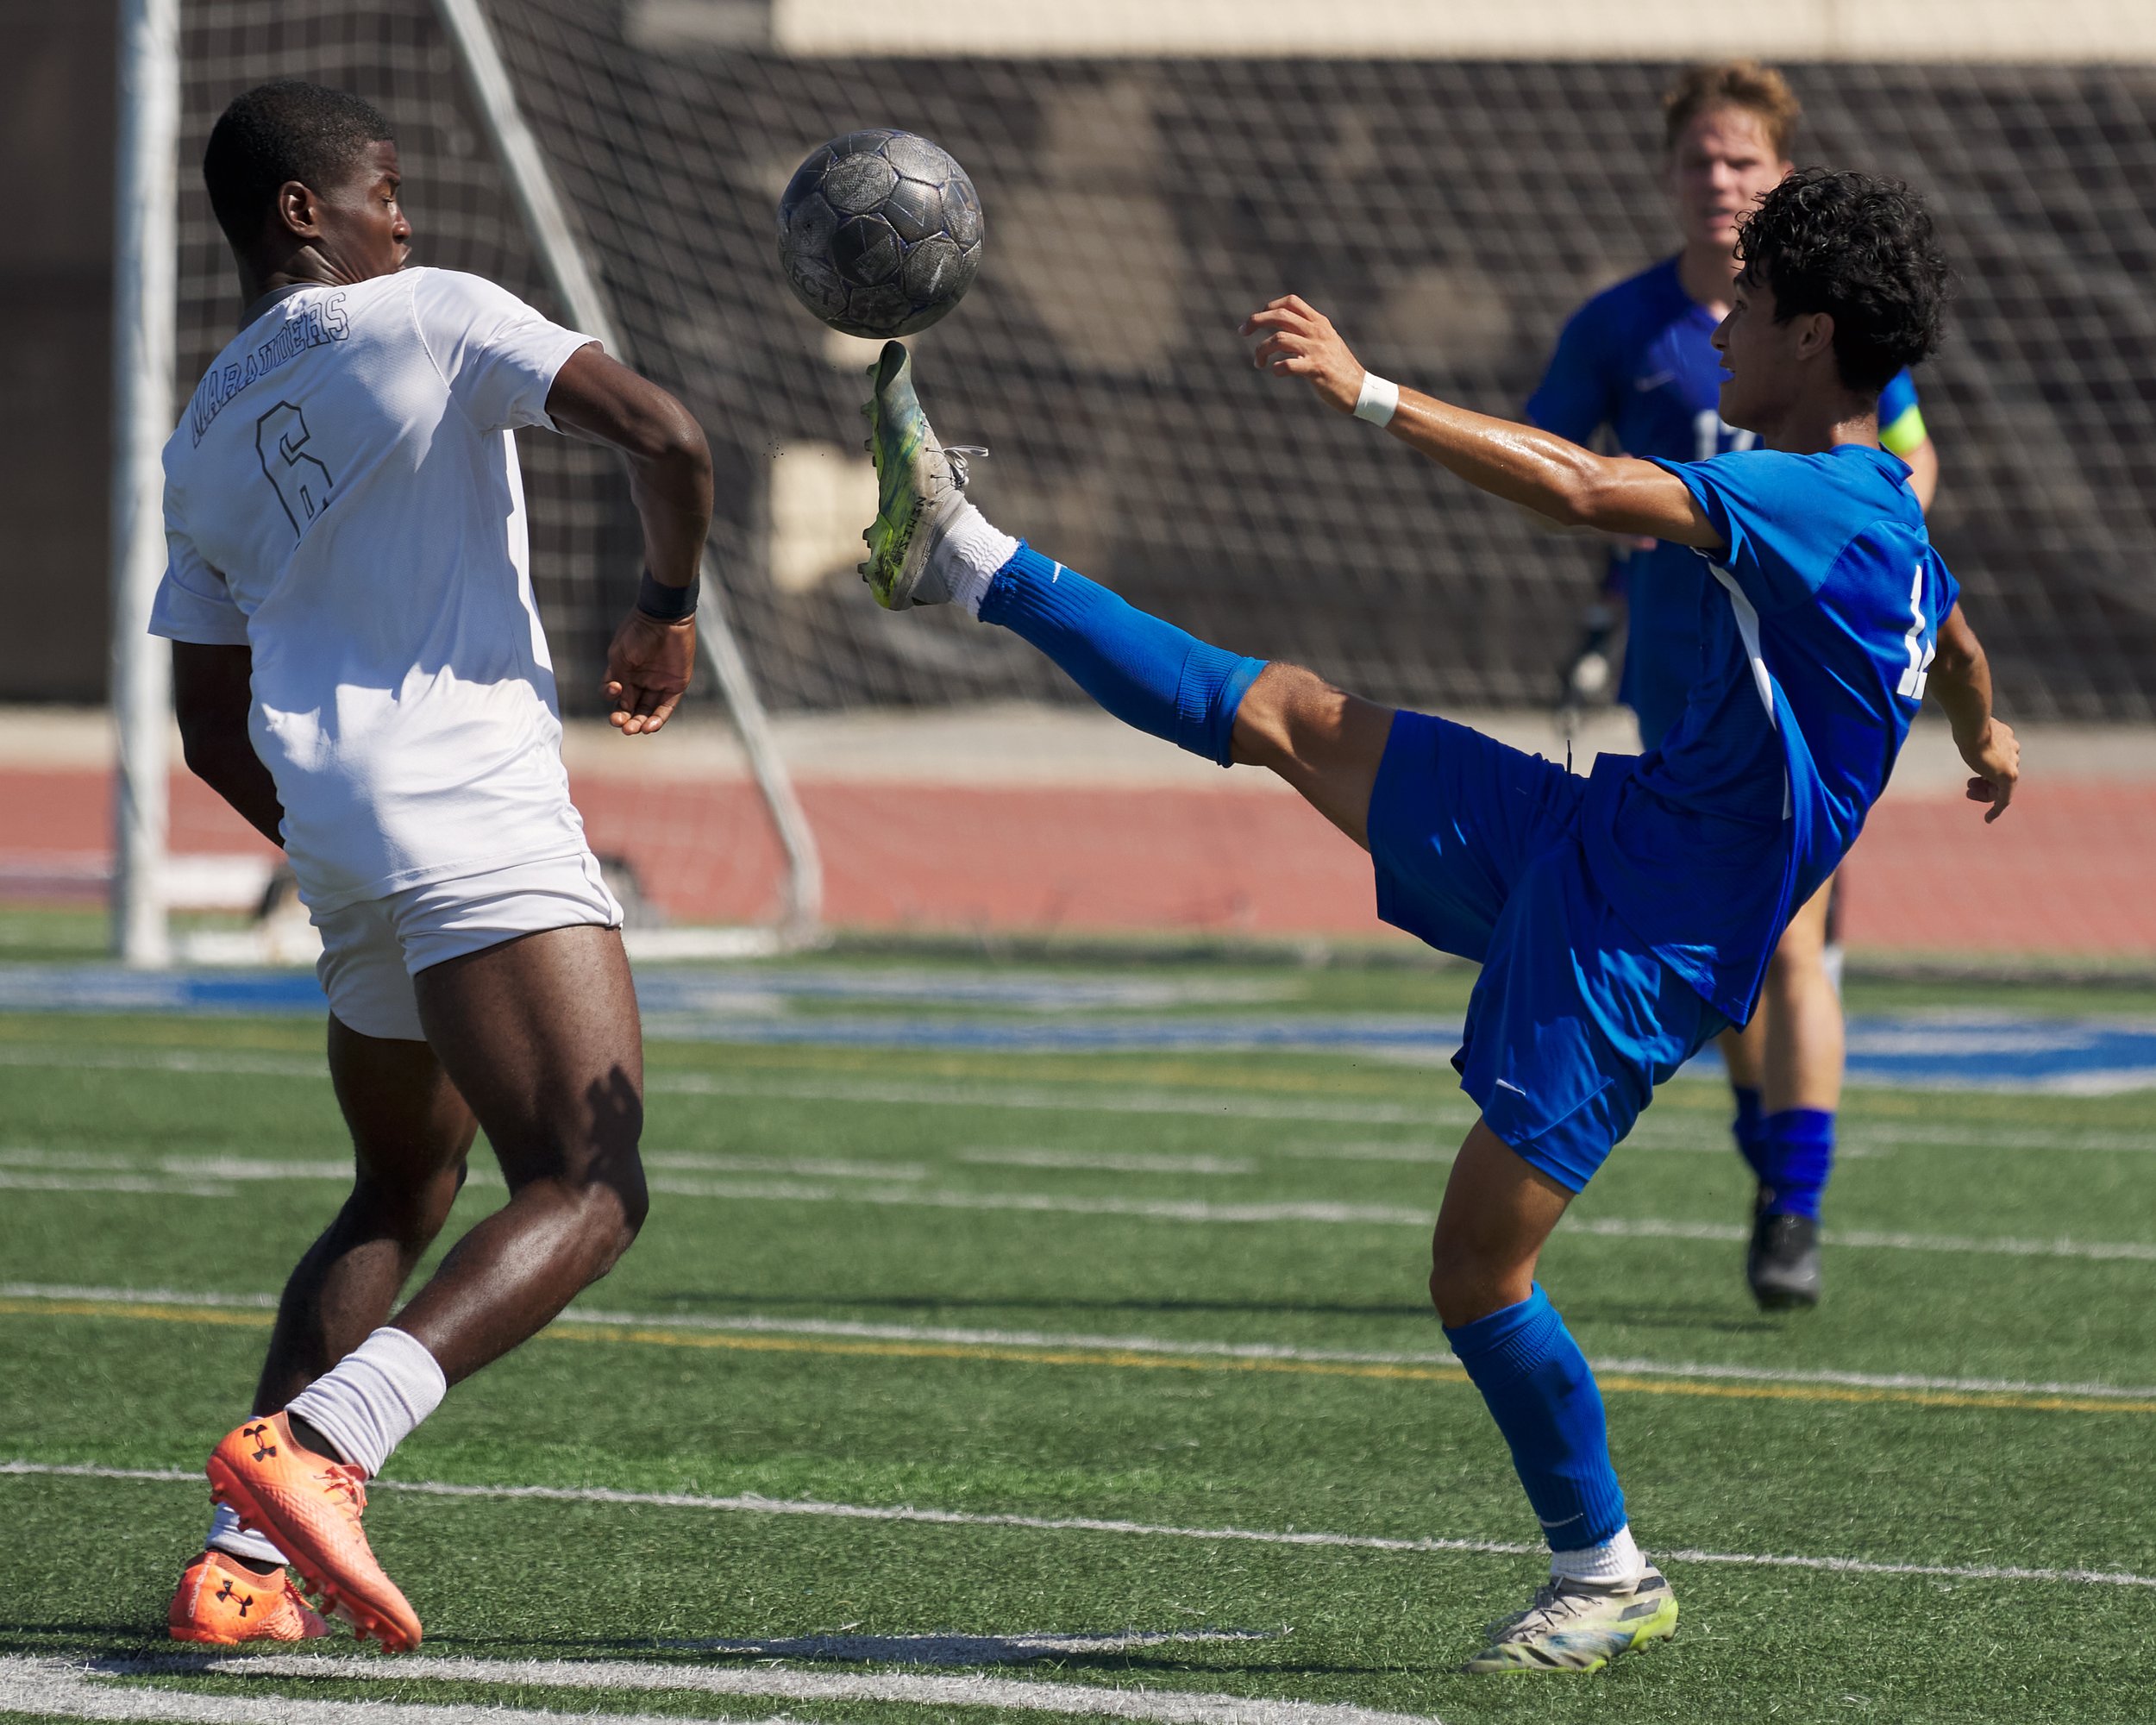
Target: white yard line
210,1177
26,1684
1108,1162
1449,1111
954,1649
757,1324
1232,1104
169,1060
928,1093
13,1181
148,1296
1054,1203
1650,1227
59,1689
830,1167
751,1504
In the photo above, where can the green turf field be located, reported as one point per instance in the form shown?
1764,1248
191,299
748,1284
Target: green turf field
924,1354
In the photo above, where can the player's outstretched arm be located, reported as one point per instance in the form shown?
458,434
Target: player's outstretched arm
1554,478
1961,677
212,696
598,398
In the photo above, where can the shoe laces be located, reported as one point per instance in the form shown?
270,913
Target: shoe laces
1546,1596
962,457
346,1481
1555,1602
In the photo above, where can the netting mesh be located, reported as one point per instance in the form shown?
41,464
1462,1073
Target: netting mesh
1449,216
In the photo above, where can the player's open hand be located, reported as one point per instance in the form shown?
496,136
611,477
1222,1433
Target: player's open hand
648,671
1296,340
1996,762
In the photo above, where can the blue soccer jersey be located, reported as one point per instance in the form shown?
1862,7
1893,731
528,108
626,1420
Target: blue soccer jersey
1639,358
1817,627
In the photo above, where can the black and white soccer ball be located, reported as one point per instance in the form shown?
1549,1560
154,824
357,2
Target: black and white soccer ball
880,233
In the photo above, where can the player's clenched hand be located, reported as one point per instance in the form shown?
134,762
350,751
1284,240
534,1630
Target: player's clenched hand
647,670
1996,762
1296,340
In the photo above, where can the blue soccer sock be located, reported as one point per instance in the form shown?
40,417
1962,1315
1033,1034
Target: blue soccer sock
1149,673
1745,1127
1796,1155
1541,1392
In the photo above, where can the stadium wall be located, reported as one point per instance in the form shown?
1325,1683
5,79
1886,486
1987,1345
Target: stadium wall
56,133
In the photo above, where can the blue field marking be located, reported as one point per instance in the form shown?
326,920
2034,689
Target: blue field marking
1049,1014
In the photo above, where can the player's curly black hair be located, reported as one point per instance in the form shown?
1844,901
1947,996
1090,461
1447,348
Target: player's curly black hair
1863,251
278,132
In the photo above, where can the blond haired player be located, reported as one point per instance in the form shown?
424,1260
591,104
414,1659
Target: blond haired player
1638,361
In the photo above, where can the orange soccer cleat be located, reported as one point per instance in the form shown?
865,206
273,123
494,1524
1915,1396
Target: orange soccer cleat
310,1506
222,1601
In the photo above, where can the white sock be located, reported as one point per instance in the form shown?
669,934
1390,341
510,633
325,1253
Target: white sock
1616,1562
367,1402
966,557
227,1535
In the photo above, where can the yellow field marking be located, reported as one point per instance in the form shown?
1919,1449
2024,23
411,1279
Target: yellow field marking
586,1330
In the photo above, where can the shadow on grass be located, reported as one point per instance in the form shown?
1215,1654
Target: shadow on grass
674,1651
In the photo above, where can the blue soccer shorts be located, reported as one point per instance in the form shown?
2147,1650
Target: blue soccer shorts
1573,1021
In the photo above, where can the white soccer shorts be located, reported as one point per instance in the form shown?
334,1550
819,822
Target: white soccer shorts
370,950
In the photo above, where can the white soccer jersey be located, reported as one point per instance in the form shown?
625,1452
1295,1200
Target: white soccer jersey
342,497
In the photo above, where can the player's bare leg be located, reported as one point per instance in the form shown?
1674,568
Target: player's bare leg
541,1036
1497,1214
1326,743
1789,1059
411,1132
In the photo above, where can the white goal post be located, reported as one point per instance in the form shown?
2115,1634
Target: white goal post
145,292
145,304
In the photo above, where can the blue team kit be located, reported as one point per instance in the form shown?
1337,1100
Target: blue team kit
1624,918
1637,359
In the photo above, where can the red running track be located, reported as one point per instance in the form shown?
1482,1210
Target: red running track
2067,871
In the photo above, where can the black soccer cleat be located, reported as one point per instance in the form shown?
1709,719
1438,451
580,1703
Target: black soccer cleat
1782,1264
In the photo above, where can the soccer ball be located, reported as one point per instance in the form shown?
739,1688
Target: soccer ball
880,233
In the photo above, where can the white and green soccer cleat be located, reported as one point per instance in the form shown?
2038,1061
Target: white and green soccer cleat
920,488
1573,1626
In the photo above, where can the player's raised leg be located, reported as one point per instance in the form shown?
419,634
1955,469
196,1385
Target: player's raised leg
929,545
1786,1071
411,1131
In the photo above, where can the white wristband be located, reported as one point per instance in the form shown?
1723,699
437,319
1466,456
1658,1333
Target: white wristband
1379,400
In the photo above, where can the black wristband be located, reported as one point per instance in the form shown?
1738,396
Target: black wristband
669,604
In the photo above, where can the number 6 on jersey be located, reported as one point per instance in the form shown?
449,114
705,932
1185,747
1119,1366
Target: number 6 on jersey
302,483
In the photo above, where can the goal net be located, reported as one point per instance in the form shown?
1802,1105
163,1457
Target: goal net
1449,213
